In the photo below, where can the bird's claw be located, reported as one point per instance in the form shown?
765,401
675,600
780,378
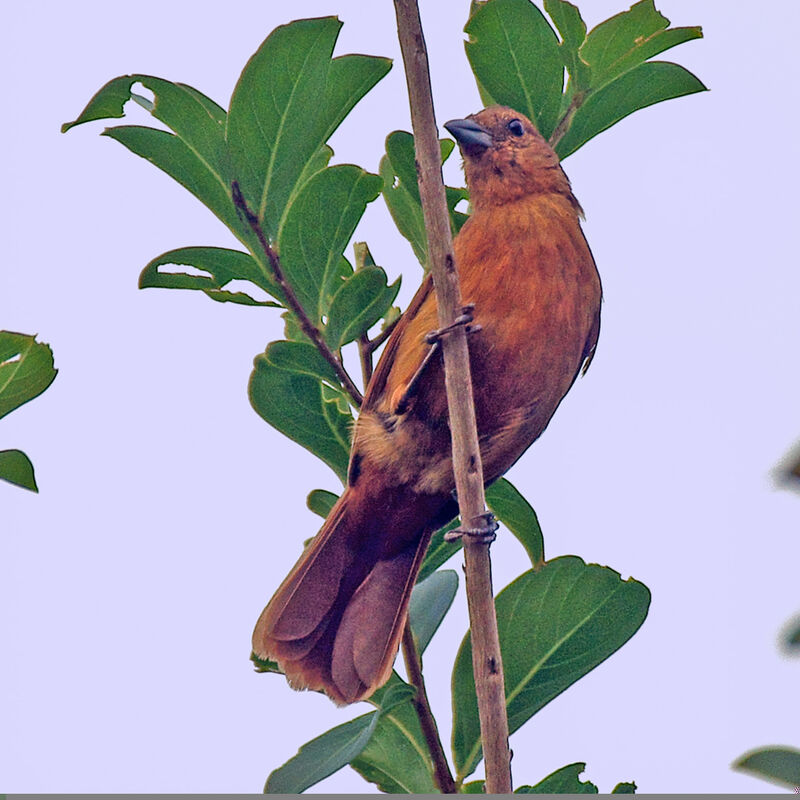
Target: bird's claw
484,531
464,318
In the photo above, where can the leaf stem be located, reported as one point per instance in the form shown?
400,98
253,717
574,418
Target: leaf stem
294,304
563,124
365,354
467,468
441,769
374,344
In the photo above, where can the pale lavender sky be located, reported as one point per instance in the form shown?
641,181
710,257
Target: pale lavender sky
169,511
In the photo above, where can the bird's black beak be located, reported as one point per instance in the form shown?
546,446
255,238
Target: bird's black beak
472,138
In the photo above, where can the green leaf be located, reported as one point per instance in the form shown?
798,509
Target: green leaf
401,191
474,787
26,369
303,359
296,403
628,39
563,781
517,514
396,758
361,301
222,266
439,551
16,468
288,101
321,501
318,227
649,83
430,601
514,54
572,28
624,788
776,764
265,664
555,625
322,756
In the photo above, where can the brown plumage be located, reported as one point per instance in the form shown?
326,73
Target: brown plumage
335,623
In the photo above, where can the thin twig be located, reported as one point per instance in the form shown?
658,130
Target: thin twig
375,343
563,124
486,659
294,304
365,354
441,769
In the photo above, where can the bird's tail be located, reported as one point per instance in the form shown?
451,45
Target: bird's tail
336,621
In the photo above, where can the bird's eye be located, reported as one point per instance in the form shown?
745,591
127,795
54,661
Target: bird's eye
515,126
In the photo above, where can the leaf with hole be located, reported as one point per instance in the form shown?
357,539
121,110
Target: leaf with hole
26,369
221,265
563,781
555,625
572,28
514,54
362,300
430,601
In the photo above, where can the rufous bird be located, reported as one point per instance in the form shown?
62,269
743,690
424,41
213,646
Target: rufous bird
336,621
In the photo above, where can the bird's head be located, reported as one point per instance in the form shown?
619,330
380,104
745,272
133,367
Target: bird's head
506,158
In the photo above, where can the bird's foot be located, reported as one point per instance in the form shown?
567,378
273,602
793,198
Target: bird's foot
483,530
463,319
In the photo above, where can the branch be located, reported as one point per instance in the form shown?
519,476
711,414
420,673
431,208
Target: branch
309,328
486,659
441,769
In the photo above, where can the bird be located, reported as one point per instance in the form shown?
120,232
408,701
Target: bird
335,623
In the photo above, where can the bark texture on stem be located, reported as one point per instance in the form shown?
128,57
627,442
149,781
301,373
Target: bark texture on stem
486,659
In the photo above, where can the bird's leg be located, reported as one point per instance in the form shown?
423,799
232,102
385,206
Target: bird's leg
434,340
482,529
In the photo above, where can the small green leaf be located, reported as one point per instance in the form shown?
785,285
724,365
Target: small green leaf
321,501
430,601
555,625
649,83
514,54
563,781
517,514
16,468
318,227
474,787
624,788
776,764
265,664
396,758
322,756
301,358
628,39
290,98
401,191
222,266
26,369
439,551
302,408
361,301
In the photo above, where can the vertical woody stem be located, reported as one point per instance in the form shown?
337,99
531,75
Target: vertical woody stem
486,661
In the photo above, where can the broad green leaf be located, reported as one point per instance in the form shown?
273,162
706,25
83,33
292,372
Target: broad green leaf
555,625
322,756
321,501
517,514
439,551
396,758
298,405
572,28
318,227
563,781
625,788
16,468
401,191
301,358
643,86
430,601
514,54
628,39
26,369
361,301
288,101
776,764
222,266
